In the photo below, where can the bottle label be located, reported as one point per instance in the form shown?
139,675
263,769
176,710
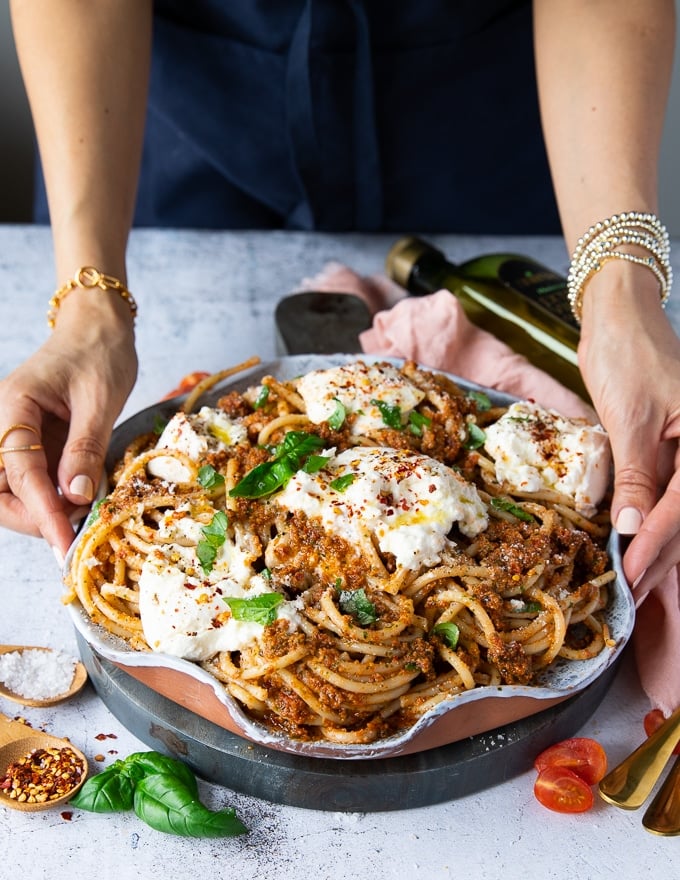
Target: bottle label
540,284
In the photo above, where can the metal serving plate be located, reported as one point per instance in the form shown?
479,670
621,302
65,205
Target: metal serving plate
473,712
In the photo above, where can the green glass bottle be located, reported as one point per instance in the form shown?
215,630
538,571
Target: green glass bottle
517,299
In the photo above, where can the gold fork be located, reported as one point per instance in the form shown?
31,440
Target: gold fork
630,783
663,814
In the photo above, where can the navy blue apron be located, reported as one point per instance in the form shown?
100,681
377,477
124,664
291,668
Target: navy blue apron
368,115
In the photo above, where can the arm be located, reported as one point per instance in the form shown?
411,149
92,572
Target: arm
604,70
85,65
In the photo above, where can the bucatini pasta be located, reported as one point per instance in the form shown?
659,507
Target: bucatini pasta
345,550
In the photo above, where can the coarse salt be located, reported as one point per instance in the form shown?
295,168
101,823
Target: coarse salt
37,674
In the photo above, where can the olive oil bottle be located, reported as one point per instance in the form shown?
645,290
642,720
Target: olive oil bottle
513,297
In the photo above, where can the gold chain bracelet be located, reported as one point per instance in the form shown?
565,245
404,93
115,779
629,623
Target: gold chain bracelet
89,278
602,242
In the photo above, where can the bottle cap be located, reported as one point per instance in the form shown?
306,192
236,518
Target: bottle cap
402,257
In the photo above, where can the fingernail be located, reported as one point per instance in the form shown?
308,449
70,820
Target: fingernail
628,521
82,486
58,555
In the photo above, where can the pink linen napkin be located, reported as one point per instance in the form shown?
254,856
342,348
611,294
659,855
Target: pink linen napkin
403,327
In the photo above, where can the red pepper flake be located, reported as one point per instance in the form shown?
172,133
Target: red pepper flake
43,775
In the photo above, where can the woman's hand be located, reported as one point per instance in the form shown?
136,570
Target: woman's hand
69,393
630,359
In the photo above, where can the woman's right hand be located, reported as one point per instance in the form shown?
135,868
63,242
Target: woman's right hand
69,393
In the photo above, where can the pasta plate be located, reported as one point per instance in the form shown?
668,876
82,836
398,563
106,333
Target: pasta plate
472,712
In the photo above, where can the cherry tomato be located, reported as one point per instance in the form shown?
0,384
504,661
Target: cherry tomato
561,790
188,383
653,721
583,756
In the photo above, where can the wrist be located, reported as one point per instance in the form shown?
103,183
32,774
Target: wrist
631,238
89,280
617,299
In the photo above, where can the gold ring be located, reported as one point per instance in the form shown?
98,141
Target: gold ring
16,428
27,447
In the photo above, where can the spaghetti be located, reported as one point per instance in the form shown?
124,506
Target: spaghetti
339,552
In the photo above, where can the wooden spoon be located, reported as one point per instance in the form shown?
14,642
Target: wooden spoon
79,679
17,741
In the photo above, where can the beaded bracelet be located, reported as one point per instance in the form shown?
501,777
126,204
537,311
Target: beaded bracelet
602,242
89,278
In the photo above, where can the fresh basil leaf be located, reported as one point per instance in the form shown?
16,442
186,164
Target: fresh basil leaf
289,457
390,412
509,507
528,608
357,605
481,400
207,554
301,443
341,483
95,512
214,536
337,418
260,481
315,463
262,397
449,633
256,609
155,762
216,530
476,437
110,791
417,421
159,424
166,804
209,478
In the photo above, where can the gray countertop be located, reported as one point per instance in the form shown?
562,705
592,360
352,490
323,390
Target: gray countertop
206,300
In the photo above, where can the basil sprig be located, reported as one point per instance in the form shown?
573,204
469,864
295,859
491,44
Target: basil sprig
339,484
214,535
390,412
448,632
392,417
162,791
417,421
262,397
337,418
475,437
255,609
480,399
209,478
288,458
514,509
358,605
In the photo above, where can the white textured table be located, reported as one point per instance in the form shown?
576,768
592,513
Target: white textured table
206,300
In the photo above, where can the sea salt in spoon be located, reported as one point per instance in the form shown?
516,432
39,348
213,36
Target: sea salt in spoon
19,741
77,682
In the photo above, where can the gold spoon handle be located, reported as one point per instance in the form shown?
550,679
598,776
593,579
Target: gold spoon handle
663,814
629,784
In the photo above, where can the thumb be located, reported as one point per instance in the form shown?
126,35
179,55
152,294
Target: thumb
635,455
